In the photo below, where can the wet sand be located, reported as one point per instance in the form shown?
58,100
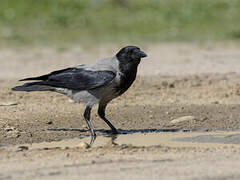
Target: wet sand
180,120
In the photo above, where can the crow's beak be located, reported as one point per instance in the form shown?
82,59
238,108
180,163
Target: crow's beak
143,54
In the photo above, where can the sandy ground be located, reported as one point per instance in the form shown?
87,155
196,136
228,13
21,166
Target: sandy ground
198,83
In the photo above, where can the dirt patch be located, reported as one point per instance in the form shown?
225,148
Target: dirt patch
152,103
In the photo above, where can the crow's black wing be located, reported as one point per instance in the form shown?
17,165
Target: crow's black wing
76,78
46,76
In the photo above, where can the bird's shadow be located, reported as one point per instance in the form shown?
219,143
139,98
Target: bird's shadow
120,131
108,133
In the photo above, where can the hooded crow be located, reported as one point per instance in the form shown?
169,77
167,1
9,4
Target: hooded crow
99,82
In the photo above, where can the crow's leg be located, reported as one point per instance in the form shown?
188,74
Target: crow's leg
93,138
101,113
87,114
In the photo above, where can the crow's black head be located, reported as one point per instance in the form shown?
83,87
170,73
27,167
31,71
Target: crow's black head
130,54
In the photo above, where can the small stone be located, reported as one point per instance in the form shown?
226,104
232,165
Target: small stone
204,119
9,128
67,155
171,85
70,100
123,146
13,134
151,116
22,148
182,119
49,122
84,145
8,103
84,126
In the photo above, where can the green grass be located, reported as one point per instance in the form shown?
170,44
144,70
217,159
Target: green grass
84,21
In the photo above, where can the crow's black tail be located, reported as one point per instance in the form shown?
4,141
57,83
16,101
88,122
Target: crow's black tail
33,86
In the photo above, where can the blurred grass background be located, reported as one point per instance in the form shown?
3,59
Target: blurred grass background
36,22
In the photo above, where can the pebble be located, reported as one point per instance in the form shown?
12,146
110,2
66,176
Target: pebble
67,155
13,134
84,126
70,100
9,128
49,122
84,145
22,148
8,103
182,119
151,116
123,146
